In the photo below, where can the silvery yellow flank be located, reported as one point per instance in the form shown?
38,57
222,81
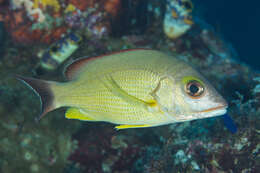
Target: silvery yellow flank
130,88
177,19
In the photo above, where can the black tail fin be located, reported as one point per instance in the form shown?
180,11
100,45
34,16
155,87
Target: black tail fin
43,90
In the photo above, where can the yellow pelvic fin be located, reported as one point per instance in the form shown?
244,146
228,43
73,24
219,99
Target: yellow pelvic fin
125,126
75,113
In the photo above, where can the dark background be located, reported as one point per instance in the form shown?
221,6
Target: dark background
239,23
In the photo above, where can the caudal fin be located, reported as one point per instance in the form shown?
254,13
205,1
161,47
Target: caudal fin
43,90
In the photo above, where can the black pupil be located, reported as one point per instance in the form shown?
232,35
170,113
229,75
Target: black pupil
194,88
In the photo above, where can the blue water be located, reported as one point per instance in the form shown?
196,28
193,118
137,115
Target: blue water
238,21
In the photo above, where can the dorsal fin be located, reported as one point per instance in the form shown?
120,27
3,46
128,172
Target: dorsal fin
72,70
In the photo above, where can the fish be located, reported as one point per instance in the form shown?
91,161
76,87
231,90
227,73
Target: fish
59,51
132,88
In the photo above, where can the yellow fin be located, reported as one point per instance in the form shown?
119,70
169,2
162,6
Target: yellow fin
125,126
75,113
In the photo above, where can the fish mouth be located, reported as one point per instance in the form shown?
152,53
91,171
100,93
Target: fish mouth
211,112
222,107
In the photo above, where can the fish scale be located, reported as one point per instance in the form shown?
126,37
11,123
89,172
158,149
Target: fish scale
133,88
134,76
115,108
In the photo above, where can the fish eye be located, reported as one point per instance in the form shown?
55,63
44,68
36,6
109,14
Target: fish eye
194,89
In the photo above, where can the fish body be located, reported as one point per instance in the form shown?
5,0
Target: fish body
59,51
132,88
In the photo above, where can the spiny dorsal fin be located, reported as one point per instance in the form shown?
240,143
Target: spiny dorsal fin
73,69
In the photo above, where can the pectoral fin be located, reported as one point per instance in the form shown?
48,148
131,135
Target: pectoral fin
75,113
150,105
125,126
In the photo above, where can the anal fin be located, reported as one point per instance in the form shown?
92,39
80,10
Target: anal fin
75,113
126,126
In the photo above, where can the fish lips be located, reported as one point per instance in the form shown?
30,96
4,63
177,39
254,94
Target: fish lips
211,112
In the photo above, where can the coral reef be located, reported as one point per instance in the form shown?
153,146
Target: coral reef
216,155
45,21
56,144
178,19
104,152
28,146
91,22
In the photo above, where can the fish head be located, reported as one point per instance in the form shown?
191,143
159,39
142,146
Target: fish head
195,98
